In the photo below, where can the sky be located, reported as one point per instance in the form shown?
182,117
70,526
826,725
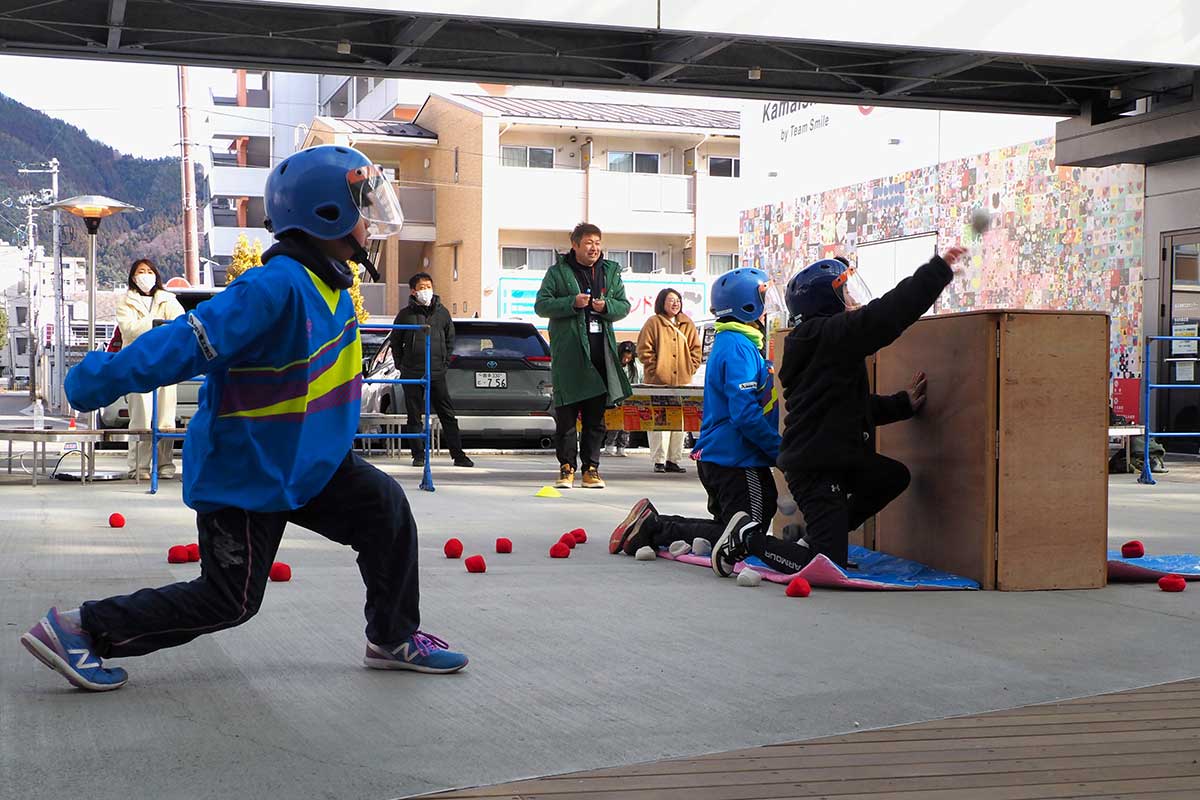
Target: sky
132,107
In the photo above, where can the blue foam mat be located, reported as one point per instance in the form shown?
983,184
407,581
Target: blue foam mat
1186,564
890,570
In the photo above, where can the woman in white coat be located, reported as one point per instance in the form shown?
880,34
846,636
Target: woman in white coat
145,302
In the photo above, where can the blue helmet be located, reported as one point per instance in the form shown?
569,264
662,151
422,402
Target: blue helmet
325,190
739,294
815,290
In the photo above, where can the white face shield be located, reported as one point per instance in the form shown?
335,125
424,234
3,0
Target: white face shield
852,289
376,200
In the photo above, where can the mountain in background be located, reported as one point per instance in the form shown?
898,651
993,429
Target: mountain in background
87,166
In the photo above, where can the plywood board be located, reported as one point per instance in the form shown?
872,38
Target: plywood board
1053,479
947,517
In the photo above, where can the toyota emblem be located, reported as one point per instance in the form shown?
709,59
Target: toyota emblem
492,365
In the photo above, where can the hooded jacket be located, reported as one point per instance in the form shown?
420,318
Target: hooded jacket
831,414
740,427
408,347
280,403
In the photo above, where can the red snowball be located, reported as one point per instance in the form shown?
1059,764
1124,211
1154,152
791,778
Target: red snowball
453,548
560,550
177,555
476,564
116,521
580,535
1133,549
798,587
281,572
568,540
503,545
1172,583
193,551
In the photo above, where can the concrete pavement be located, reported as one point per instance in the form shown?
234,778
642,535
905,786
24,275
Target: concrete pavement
593,661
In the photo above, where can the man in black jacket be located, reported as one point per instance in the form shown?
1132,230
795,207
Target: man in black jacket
408,353
828,455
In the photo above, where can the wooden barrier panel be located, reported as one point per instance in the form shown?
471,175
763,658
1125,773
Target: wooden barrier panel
947,517
1053,466
1008,457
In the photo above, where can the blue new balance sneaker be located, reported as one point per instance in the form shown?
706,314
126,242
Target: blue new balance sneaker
70,655
419,652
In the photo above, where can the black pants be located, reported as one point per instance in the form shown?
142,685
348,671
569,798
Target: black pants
360,507
439,404
836,503
730,490
585,446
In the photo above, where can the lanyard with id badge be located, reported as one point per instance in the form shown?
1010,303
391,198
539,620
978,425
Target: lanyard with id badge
593,321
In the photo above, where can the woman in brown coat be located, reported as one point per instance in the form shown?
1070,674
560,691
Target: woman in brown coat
669,348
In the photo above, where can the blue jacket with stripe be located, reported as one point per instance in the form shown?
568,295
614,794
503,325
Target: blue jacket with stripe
279,406
741,415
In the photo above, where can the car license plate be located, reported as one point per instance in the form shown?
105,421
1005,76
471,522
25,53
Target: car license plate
491,380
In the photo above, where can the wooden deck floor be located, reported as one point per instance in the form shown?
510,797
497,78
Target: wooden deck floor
1143,743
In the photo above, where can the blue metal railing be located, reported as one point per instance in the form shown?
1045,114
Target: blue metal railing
1148,387
157,435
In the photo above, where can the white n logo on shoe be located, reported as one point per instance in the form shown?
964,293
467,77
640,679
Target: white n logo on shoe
405,652
82,654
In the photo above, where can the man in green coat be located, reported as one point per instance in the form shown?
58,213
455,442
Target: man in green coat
582,295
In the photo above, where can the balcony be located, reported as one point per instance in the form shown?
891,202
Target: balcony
419,205
232,121
222,240
233,181
539,199
625,202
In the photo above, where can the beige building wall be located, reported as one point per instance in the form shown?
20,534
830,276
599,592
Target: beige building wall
568,155
459,202
669,248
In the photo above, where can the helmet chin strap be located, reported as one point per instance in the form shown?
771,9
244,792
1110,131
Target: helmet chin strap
361,257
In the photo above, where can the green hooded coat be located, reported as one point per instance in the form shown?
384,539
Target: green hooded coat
574,377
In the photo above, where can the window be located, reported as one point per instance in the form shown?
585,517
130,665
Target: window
1186,263
493,340
642,261
619,256
521,156
362,87
724,167
625,161
541,157
22,314
22,346
531,257
719,263
620,162
645,163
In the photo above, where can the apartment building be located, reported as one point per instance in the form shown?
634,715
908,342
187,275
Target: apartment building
492,185
256,120
16,280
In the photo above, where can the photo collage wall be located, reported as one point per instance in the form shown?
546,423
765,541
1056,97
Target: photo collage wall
1061,238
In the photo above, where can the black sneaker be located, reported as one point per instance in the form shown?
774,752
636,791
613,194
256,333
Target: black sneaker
730,549
463,461
671,466
418,461
660,467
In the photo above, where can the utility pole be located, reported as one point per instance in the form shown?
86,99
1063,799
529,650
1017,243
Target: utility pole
60,364
31,286
191,251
